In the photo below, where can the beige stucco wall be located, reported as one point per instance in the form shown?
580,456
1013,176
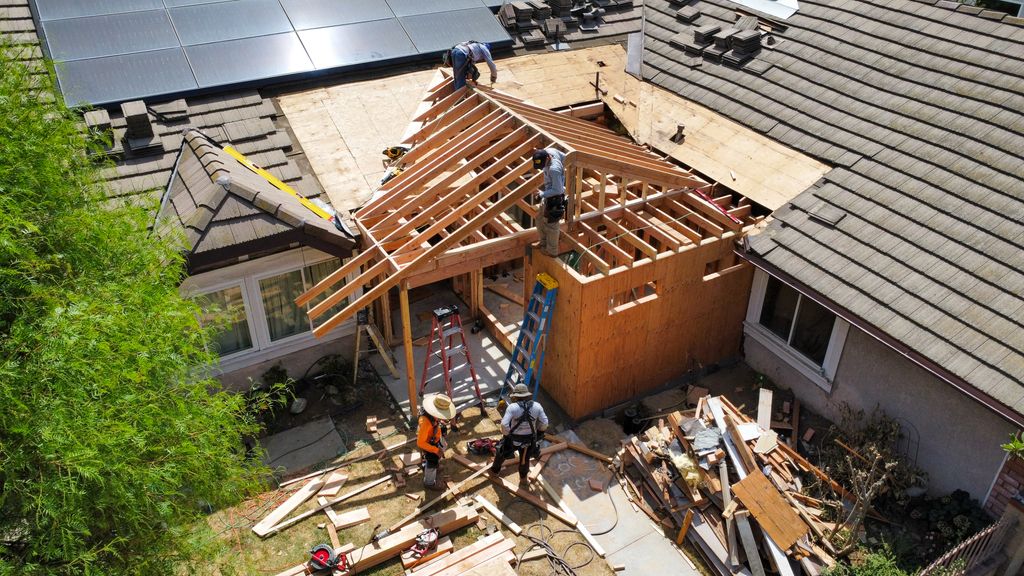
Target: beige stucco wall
959,438
296,363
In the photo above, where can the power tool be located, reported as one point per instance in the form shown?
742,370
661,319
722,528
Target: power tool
393,152
322,557
425,542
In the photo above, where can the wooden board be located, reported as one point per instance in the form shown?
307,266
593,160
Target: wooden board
749,546
524,494
409,559
771,511
264,526
351,518
498,514
494,567
764,409
333,483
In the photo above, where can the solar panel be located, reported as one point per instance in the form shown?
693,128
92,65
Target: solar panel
306,14
248,59
95,36
357,43
125,77
205,23
54,9
442,30
413,7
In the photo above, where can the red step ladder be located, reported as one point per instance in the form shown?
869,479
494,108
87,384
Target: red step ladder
446,326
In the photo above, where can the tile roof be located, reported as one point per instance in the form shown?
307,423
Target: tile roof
248,216
917,230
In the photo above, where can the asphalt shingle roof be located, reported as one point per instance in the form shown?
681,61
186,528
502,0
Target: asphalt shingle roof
917,230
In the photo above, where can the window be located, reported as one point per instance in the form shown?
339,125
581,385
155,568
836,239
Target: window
253,305
797,328
226,309
633,297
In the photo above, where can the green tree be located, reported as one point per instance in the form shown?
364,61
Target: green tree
111,446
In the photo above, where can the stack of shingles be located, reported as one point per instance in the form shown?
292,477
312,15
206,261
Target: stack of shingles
722,44
139,135
524,16
560,7
688,14
541,11
703,36
507,17
713,473
745,44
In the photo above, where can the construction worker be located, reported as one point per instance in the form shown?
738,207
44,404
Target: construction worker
550,161
436,411
463,58
523,426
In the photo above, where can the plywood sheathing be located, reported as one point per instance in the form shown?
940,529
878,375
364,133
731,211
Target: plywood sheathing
603,358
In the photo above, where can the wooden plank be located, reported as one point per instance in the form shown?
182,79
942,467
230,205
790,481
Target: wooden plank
498,566
498,514
351,518
323,472
524,494
410,560
410,371
505,293
772,512
685,527
333,483
764,409
747,537
746,456
330,503
392,545
266,525
295,571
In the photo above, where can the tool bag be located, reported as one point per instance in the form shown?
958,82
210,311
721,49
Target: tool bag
508,443
554,208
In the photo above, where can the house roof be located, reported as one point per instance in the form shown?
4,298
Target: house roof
458,205
917,230
250,216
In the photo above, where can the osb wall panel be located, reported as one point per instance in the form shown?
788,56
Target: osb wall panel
596,359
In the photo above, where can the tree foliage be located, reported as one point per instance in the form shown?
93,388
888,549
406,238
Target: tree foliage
111,446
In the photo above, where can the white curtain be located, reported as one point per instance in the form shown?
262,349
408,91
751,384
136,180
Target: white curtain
284,318
226,310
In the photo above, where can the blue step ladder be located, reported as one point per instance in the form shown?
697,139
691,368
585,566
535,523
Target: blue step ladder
528,355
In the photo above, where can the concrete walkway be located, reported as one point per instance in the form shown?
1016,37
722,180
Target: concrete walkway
627,536
303,446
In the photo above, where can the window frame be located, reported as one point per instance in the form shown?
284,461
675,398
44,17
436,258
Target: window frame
248,275
823,375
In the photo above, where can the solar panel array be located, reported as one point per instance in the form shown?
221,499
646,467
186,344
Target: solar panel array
111,51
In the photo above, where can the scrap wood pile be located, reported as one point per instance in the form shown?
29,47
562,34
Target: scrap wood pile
734,488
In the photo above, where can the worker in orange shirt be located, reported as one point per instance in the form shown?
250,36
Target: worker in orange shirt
436,412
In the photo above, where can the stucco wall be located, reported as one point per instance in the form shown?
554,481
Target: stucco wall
959,438
296,363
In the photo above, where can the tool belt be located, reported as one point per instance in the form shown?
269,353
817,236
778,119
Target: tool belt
512,442
554,208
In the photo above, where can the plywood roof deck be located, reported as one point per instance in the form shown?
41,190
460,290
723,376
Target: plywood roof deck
468,179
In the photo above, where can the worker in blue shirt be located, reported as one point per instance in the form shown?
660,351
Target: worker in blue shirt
550,160
463,55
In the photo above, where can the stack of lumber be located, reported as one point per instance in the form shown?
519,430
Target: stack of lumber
748,483
491,555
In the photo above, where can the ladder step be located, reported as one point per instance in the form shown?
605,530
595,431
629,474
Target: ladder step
452,331
535,317
528,334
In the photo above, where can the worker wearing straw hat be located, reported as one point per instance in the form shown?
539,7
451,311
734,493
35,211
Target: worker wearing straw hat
436,412
523,425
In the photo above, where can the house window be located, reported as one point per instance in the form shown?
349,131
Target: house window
801,322
284,318
798,329
253,305
226,309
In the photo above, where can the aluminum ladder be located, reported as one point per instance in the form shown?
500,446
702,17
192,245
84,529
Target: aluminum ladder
528,355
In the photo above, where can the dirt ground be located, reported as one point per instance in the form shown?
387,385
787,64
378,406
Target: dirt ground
248,554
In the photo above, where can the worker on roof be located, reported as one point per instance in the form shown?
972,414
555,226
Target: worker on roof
551,162
523,426
436,412
463,59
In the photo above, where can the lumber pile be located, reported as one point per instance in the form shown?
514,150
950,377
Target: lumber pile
490,555
716,476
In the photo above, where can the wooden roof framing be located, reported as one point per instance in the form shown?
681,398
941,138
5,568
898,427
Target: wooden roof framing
468,179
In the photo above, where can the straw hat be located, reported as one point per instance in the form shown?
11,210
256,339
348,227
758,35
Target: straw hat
520,391
439,406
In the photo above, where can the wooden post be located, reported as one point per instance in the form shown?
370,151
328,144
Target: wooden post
476,292
410,373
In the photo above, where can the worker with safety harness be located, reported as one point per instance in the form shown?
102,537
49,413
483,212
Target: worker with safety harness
551,162
523,426
436,412
463,59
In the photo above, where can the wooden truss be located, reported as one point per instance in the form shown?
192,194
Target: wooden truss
464,199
